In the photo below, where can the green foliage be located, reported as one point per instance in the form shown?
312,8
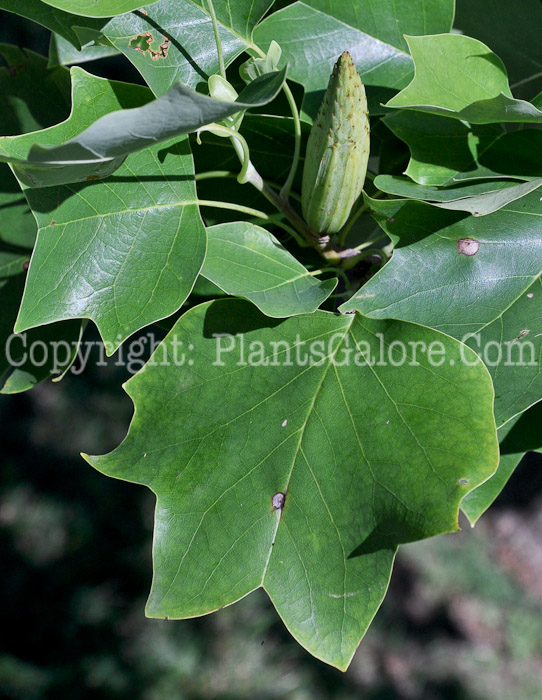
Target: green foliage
296,436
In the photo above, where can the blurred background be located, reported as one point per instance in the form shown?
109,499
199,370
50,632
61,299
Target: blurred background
462,620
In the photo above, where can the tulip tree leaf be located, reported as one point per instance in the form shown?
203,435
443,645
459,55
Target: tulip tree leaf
459,77
124,252
97,8
520,435
511,347
445,151
367,457
478,199
174,39
247,261
435,279
313,34
513,36
101,148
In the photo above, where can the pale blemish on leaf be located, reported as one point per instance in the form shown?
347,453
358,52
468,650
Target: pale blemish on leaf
468,246
278,500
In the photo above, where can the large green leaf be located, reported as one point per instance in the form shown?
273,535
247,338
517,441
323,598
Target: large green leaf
247,261
478,199
52,18
520,435
174,39
446,151
513,32
511,347
97,8
313,34
459,77
434,279
300,478
101,148
311,42
124,252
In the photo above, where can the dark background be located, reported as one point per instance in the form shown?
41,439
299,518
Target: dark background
461,621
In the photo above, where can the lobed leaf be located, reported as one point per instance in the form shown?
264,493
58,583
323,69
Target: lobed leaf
300,478
457,76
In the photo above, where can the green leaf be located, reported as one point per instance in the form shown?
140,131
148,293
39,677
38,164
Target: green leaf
459,77
125,252
52,18
513,35
101,148
174,39
247,261
520,435
446,151
367,457
311,41
314,33
511,347
434,279
478,199
27,359
97,8
64,53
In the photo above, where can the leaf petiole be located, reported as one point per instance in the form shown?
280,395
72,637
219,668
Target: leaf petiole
218,41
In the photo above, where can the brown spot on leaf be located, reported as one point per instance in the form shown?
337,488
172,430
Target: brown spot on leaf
143,43
468,246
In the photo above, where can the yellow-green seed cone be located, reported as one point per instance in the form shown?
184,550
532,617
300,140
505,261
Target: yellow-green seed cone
337,151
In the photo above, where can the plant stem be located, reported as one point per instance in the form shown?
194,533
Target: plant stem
285,191
255,213
217,39
230,175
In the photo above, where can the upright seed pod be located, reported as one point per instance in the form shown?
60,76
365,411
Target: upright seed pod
337,151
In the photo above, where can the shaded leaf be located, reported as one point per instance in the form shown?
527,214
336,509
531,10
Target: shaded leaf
445,151
64,53
27,359
366,456
511,347
52,18
520,435
478,199
247,261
